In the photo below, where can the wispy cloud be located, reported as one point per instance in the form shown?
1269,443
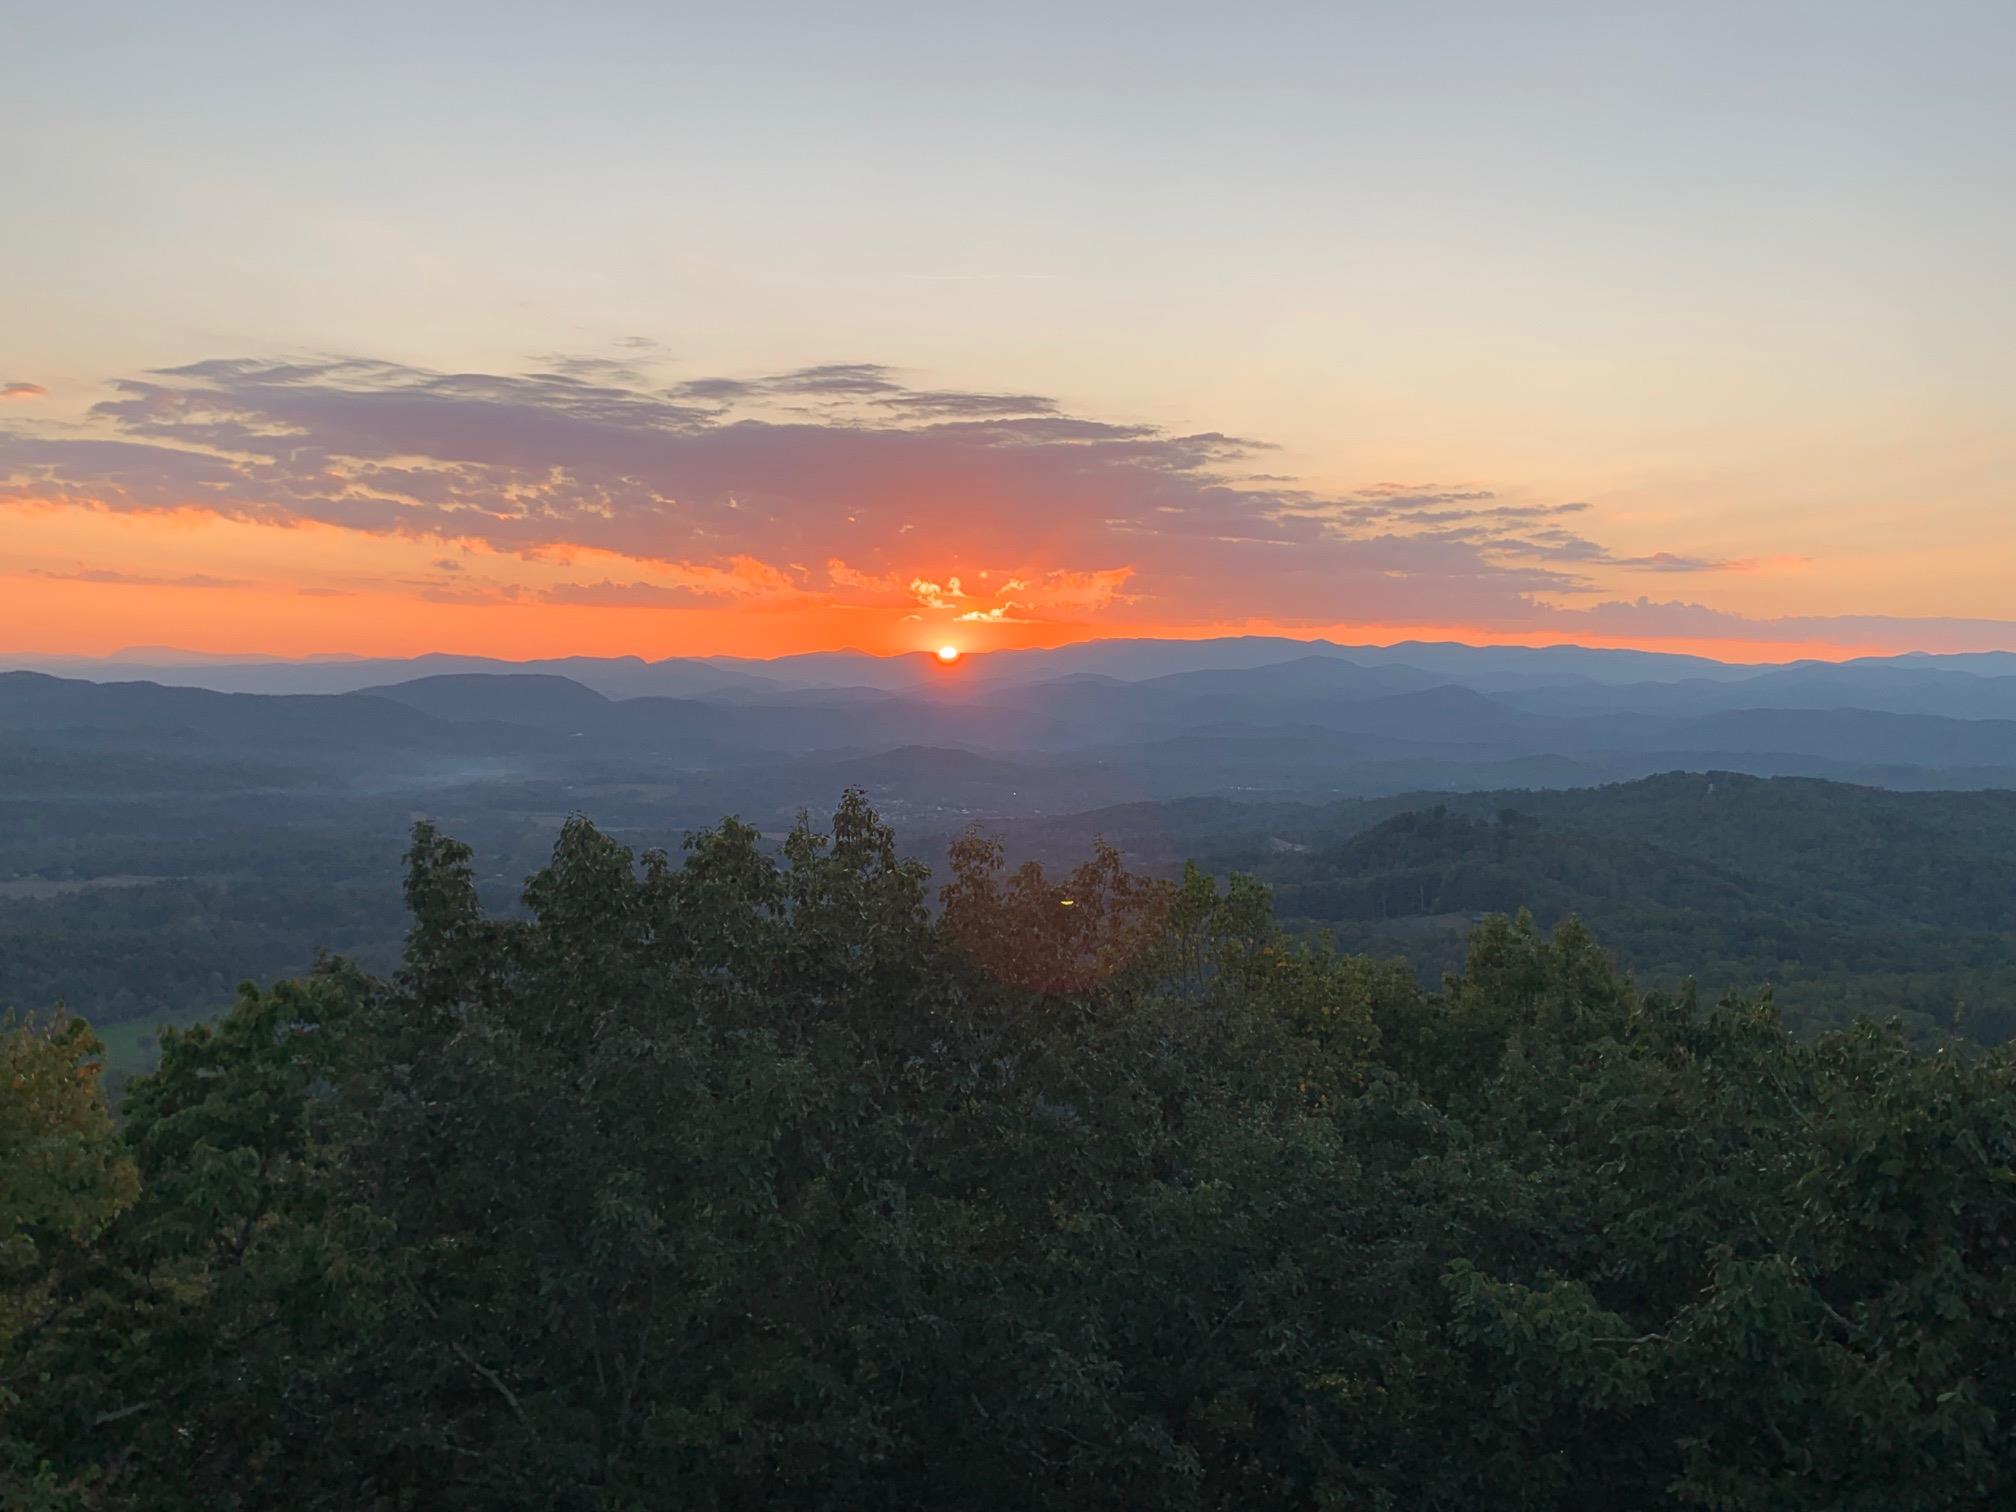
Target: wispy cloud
1646,619
140,579
983,277
631,595
714,487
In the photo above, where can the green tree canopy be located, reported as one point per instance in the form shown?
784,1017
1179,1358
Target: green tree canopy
768,1180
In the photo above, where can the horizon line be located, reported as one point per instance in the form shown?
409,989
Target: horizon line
144,656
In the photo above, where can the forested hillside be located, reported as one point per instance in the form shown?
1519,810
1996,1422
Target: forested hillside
1842,900
160,842
765,1178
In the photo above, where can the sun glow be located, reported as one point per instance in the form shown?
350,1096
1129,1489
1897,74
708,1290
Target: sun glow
948,654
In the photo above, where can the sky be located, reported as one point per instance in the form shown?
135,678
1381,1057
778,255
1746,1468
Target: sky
666,329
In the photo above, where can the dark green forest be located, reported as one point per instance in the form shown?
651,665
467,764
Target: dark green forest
153,903
1843,900
790,1175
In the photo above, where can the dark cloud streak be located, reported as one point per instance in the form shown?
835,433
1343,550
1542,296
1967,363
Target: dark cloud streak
712,474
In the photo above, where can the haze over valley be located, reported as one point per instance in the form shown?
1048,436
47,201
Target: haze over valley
175,823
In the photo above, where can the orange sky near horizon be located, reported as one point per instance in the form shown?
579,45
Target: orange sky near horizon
79,580
433,525
312,589
277,622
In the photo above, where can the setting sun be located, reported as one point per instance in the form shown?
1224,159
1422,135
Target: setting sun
948,654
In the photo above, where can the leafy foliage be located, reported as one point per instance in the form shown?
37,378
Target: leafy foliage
755,1181
64,1176
1843,900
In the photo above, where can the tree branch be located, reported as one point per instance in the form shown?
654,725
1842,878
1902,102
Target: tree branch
117,1414
496,1382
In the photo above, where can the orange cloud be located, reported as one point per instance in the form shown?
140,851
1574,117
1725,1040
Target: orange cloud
1067,591
350,501
139,579
932,596
1768,566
